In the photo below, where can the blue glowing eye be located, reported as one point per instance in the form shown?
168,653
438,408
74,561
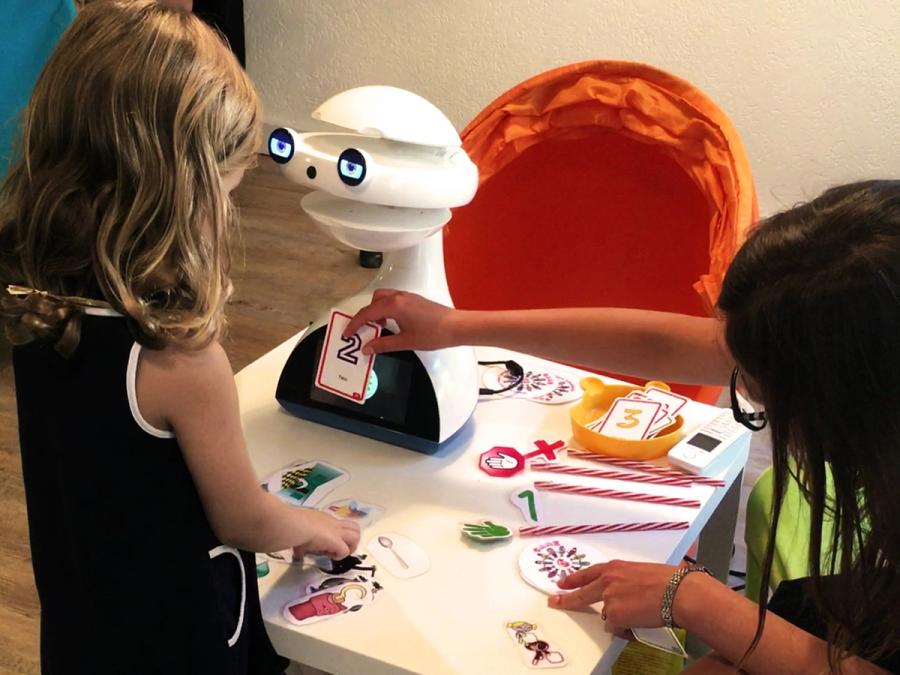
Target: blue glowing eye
351,170
351,167
280,148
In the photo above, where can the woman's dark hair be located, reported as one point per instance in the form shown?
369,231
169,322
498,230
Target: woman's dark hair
812,309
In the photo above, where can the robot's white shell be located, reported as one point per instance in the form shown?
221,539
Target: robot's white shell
391,113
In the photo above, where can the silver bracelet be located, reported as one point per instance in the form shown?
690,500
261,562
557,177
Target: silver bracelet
668,599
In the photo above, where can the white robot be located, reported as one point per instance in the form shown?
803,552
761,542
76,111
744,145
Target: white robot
386,184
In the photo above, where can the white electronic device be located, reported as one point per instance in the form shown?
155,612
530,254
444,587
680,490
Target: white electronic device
385,185
700,449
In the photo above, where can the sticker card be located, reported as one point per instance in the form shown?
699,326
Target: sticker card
528,501
305,483
400,556
629,419
544,564
346,595
536,650
358,511
486,531
662,638
343,369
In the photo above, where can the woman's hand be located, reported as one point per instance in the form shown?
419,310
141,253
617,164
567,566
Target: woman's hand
631,593
423,324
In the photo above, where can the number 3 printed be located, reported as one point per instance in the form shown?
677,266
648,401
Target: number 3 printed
631,419
350,351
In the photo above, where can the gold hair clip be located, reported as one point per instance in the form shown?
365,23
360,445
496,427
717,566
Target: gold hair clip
13,289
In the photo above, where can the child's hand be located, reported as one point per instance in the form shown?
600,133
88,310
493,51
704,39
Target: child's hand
327,536
423,324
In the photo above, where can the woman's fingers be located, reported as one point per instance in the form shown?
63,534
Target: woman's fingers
582,577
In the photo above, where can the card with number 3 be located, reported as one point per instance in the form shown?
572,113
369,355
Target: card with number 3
343,369
629,419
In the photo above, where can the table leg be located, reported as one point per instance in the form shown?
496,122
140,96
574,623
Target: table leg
715,546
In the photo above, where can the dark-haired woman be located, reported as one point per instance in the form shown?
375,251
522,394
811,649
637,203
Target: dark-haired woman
809,319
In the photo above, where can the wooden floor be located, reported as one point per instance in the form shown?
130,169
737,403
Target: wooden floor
285,272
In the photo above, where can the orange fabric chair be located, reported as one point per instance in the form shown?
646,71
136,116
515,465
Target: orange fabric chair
602,183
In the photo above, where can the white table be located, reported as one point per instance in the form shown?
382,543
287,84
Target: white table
451,619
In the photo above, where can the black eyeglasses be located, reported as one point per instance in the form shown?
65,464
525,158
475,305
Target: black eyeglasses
750,419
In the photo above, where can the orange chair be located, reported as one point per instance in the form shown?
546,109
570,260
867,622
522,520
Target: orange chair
602,183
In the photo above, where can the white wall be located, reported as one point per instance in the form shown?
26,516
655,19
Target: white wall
813,86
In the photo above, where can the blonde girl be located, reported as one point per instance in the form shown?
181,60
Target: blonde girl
114,260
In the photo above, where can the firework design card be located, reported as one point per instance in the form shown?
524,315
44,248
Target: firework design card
536,385
544,564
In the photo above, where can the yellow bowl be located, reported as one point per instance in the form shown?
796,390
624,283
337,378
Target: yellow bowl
597,399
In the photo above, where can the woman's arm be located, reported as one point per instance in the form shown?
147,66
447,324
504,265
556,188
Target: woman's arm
643,343
724,620
194,395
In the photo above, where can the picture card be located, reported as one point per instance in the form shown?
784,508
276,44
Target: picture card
305,483
535,648
544,564
673,401
343,369
528,501
536,385
335,595
629,419
662,638
399,555
358,511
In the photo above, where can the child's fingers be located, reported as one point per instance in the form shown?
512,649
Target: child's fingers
351,536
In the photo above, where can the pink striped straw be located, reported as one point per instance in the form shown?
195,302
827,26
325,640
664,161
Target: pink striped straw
552,467
548,486
556,530
643,466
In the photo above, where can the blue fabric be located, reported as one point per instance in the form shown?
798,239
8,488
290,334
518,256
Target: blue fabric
29,30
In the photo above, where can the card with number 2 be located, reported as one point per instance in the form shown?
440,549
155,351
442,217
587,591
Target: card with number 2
343,369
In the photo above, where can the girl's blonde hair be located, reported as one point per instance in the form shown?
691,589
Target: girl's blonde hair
117,195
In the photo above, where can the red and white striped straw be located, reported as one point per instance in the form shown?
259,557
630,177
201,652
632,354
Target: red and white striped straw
548,486
644,466
600,528
552,467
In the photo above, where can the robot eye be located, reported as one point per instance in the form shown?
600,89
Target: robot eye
352,167
281,146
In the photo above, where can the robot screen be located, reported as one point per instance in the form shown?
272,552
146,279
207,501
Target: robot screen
386,396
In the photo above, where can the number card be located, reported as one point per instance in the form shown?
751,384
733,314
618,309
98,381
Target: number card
675,402
343,369
629,419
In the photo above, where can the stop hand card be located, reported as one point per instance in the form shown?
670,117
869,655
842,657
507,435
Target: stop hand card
343,369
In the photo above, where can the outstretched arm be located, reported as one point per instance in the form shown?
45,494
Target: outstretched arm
193,393
643,343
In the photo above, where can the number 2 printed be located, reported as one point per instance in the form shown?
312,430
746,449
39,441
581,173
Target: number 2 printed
350,351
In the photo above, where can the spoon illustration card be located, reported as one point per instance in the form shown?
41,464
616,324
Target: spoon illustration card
400,556
545,563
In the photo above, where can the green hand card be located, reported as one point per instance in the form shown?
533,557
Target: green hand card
486,531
